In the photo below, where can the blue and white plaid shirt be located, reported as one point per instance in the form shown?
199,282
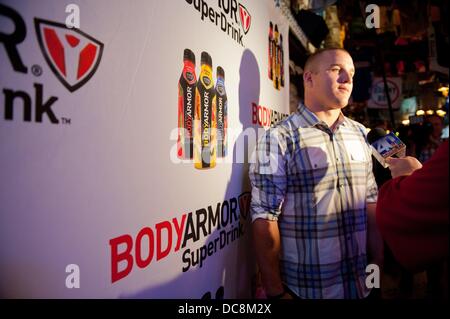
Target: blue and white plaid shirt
316,184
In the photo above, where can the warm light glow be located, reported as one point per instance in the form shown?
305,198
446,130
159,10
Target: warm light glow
387,131
441,113
430,112
444,90
420,112
405,122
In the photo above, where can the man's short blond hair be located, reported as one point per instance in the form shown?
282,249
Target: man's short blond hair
311,62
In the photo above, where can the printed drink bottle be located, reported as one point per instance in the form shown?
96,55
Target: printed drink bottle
275,64
270,50
186,105
205,117
281,59
222,113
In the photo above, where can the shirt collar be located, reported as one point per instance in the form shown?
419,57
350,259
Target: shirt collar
309,119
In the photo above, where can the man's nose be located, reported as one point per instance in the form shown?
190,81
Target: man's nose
346,77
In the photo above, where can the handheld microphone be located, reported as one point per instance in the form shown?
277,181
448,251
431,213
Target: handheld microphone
385,145
375,134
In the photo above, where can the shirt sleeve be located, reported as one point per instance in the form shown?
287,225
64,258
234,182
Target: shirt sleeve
372,188
268,176
371,184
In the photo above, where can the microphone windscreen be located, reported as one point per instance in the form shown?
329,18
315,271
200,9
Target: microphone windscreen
375,134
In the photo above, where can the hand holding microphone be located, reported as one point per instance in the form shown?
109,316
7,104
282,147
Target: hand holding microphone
403,166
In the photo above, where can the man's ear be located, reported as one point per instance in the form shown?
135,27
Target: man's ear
307,78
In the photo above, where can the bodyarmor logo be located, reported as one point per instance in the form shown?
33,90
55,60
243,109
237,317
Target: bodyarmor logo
71,54
244,203
246,18
230,16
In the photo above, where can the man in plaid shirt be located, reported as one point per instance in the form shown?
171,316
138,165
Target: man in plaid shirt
314,193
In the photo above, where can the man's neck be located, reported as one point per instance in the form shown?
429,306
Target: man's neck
328,116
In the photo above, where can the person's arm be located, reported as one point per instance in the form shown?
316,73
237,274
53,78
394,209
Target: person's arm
266,239
412,212
375,244
268,178
374,239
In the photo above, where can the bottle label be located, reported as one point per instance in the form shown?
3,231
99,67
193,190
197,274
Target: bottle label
221,101
205,109
186,100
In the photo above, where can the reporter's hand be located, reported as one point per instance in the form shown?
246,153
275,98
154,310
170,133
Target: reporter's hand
287,296
283,295
403,166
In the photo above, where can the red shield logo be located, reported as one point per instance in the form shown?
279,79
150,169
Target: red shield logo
246,18
244,203
71,54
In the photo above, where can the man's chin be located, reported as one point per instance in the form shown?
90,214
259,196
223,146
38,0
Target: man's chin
340,104
342,99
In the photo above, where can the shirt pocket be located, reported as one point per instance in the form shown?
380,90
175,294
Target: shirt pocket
356,151
318,156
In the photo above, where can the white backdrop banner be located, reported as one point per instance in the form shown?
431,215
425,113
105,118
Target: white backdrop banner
125,135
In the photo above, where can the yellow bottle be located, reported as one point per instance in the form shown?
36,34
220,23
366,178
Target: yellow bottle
205,117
